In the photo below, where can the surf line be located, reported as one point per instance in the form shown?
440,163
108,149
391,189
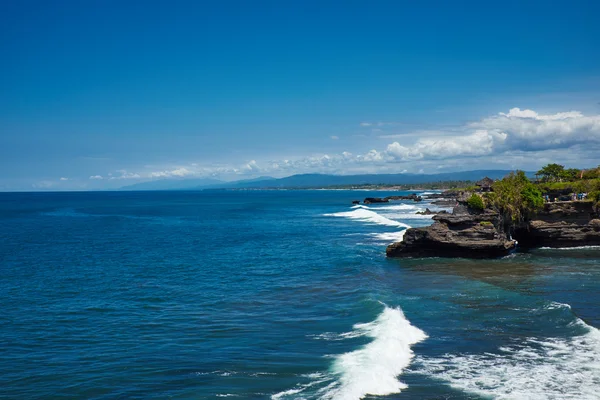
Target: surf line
372,369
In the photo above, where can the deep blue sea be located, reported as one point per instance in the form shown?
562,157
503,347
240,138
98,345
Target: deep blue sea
278,295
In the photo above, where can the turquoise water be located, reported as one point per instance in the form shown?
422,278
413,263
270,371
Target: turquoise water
277,295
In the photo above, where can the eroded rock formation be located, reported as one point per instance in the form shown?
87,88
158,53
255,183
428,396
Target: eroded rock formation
561,224
455,235
465,233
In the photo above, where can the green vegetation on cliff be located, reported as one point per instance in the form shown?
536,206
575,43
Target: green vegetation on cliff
555,180
558,173
475,202
515,198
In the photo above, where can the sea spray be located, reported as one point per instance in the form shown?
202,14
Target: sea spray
389,237
374,368
369,216
399,207
533,368
571,248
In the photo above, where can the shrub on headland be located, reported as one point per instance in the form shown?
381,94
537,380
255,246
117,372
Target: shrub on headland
515,198
475,202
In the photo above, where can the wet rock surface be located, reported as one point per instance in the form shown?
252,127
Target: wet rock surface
455,235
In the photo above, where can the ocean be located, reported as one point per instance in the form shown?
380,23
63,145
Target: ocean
278,295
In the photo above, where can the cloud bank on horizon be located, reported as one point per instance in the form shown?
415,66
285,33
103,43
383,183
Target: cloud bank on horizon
502,139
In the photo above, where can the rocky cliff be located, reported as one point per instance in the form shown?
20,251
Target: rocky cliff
468,234
455,235
561,224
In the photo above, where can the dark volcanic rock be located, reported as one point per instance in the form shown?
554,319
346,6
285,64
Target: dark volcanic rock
355,201
413,197
370,200
446,203
562,224
464,235
467,234
446,199
429,212
444,195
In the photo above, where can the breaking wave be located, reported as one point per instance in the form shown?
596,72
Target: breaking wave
367,215
391,237
370,370
572,248
534,368
399,207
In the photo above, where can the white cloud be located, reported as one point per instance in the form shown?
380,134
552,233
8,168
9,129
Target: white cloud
335,137
518,113
64,179
125,175
372,156
251,166
478,143
522,130
177,172
529,131
515,139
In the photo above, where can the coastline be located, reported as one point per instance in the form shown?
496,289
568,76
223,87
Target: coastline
468,233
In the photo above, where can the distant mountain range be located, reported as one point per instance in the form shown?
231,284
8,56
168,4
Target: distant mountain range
317,181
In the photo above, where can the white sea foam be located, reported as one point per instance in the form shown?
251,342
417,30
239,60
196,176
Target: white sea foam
374,368
572,248
408,216
555,305
391,237
287,393
536,368
370,216
337,336
317,378
399,207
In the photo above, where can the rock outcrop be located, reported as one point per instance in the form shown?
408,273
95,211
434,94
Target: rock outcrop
465,233
387,199
455,235
448,194
413,197
444,203
447,198
429,212
562,224
370,200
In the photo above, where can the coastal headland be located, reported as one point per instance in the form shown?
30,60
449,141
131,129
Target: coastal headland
493,219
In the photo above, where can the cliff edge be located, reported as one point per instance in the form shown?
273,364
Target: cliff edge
561,224
455,235
469,234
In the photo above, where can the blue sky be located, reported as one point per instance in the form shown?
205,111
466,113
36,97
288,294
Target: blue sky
102,94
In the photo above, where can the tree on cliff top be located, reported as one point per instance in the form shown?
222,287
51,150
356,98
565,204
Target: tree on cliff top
515,198
552,172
